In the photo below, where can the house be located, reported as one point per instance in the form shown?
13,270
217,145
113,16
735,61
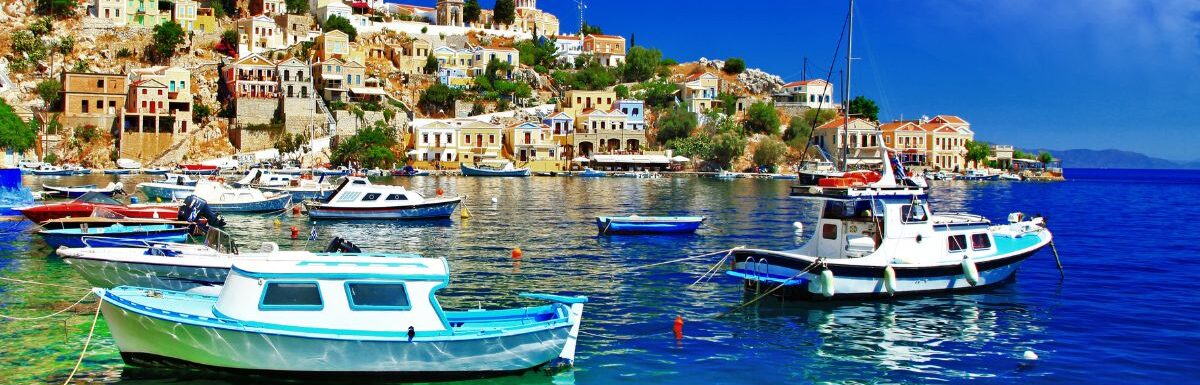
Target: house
816,93
699,91
296,92
560,123
185,14
333,8
144,13
111,10
607,132
456,78
92,99
478,141
434,142
331,78
258,34
371,90
608,49
577,101
947,141
267,7
296,28
206,21
860,136
635,113
410,56
907,139
253,83
530,141
530,19
146,121
448,57
1002,154
332,44
485,55
567,48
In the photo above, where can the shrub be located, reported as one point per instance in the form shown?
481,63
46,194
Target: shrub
770,150
675,124
734,66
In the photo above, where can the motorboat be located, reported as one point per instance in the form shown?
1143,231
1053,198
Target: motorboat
199,169
812,172
338,316
409,171
119,171
170,187
977,175
726,175
156,171
224,199
304,189
52,170
78,191
637,224
262,178
358,198
128,164
339,171
115,232
89,202
1010,177
78,170
493,168
588,172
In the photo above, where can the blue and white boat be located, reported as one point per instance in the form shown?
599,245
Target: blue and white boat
171,187
119,171
78,191
977,175
493,168
338,316
223,199
339,171
588,172
409,171
156,171
357,198
636,224
51,170
115,234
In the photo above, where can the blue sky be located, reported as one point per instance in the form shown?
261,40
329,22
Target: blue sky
1053,74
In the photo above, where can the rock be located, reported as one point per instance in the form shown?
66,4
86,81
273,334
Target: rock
528,76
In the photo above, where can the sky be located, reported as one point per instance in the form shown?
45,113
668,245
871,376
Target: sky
1056,74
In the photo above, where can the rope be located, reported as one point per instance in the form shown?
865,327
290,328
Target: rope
712,270
48,315
45,284
768,292
675,260
88,341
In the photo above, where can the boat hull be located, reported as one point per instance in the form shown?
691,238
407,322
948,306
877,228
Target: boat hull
301,194
150,337
471,171
166,191
109,274
58,239
618,226
422,211
270,204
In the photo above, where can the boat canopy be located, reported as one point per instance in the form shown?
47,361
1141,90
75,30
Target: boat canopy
408,267
97,198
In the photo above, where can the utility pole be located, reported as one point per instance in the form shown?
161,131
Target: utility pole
581,8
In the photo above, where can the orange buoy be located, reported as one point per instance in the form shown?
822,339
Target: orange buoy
678,327
295,209
516,253
440,192
295,232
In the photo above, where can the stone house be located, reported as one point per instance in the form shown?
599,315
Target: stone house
253,83
409,57
331,78
297,97
699,91
258,34
608,49
296,28
267,7
92,98
111,10
148,120
332,44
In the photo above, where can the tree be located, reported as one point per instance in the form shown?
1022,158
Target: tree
622,91
58,8
641,64
15,134
734,66
431,65
471,11
761,118
770,150
218,9
864,108
49,91
341,24
675,124
977,152
167,38
728,103
588,29
1045,158
505,12
370,147
290,143
297,7
200,113
726,147
658,93
438,98
540,52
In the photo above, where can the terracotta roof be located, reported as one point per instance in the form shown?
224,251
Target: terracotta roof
566,37
839,121
949,119
606,36
697,76
805,82
899,126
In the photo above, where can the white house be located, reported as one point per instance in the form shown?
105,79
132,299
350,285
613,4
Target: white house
816,93
258,34
113,10
333,8
435,142
568,47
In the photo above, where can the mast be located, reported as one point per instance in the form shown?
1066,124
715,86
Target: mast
846,91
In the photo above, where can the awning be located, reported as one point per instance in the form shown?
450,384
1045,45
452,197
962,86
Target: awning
634,159
367,91
331,77
581,160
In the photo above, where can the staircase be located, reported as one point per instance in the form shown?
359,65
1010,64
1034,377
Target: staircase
330,121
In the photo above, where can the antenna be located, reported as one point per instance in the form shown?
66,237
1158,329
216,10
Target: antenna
581,8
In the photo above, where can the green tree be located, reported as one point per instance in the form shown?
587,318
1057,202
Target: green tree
471,11
167,38
728,103
726,147
675,124
540,52
49,90
622,91
370,147
770,150
505,12
15,134
588,29
218,9
762,119
699,146
734,66
641,64
289,143
297,7
341,24
200,113
439,99
58,8
658,92
431,65
977,152
864,108
1045,157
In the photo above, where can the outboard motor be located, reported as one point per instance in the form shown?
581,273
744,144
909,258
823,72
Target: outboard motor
340,245
194,208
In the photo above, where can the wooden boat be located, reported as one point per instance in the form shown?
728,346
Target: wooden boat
636,224
89,202
409,171
199,169
51,170
78,191
493,169
223,199
114,233
337,316
357,198
588,172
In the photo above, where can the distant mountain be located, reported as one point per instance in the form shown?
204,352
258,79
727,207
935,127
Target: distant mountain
1084,158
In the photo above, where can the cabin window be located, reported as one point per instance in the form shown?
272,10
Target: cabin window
829,231
377,296
914,213
349,196
370,197
956,243
399,197
980,242
291,296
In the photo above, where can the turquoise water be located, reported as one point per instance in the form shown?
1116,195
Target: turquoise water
1124,313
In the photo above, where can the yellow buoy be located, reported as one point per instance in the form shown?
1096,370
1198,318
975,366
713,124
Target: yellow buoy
889,279
277,223
465,213
158,199
827,282
970,272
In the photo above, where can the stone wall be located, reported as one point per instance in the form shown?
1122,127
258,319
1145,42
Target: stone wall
255,111
348,124
253,140
144,147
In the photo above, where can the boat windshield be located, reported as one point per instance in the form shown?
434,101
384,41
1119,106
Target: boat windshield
849,209
97,198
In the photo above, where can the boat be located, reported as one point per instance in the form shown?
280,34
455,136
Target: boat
409,171
305,190
357,198
78,191
52,170
156,171
785,176
199,169
86,204
588,172
260,178
636,224
223,199
726,175
128,164
812,171
1010,176
338,317
78,170
976,175
170,187
340,171
114,233
493,168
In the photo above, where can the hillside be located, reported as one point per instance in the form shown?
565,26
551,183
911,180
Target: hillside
1112,158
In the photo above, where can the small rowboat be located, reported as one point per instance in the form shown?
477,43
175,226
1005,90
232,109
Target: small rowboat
78,191
635,224
156,171
48,170
115,234
493,170
119,171
588,172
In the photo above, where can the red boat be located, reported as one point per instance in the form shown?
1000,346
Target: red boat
198,169
85,205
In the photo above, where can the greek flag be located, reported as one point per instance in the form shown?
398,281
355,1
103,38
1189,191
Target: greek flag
312,235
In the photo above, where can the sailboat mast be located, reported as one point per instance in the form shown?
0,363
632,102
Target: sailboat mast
846,91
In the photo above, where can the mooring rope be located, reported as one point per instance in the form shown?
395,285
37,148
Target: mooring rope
88,341
713,270
815,263
674,261
45,284
8,317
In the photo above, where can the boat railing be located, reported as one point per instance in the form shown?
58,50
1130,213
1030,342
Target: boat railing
220,241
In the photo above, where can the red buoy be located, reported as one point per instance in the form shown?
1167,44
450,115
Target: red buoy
295,232
516,253
678,327
440,192
296,209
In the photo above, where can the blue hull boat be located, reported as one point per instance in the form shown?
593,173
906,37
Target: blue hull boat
303,194
156,171
590,173
483,171
648,225
165,191
335,172
977,178
54,172
441,208
119,171
277,203
113,236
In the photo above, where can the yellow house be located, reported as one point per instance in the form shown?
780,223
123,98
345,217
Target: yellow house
947,142
478,141
332,44
409,57
453,58
907,139
206,22
531,141
576,102
699,91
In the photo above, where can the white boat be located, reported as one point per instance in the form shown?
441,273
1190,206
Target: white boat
358,198
263,178
224,199
1010,176
338,316
128,164
493,167
170,187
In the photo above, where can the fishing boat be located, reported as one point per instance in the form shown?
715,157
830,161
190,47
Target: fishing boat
1010,177
78,191
357,198
409,171
322,171
977,175
86,204
726,175
493,168
128,164
223,199
261,178
156,171
171,187
114,233
119,171
785,176
588,172
338,317
199,169
52,170
812,171
304,189
636,224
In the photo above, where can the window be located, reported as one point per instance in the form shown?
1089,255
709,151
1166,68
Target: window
980,241
829,231
913,213
100,83
468,138
370,197
401,197
956,243
425,138
291,296
83,105
350,196
99,104
491,139
377,296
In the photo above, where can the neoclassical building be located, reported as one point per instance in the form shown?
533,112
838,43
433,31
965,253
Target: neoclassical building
450,12
528,17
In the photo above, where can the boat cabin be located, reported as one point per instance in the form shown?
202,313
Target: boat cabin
356,191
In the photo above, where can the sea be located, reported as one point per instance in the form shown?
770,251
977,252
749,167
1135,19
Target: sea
1124,310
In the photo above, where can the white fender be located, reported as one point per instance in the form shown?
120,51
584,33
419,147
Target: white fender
970,272
889,279
827,283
